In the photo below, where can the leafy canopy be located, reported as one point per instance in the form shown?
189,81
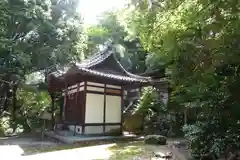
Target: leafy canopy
198,42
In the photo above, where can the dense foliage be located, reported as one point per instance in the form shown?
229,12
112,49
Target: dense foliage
35,35
130,53
198,42
149,104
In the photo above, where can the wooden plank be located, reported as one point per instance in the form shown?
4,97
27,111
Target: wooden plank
115,91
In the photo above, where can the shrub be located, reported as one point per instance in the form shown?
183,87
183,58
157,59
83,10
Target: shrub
1,132
204,139
155,139
133,123
114,132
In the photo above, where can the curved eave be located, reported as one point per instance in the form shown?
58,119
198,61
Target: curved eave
57,82
95,59
86,71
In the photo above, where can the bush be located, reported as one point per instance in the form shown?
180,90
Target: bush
204,139
1,132
155,139
133,123
114,132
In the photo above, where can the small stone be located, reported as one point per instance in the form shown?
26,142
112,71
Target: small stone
163,155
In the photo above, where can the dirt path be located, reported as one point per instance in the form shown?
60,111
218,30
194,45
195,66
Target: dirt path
15,147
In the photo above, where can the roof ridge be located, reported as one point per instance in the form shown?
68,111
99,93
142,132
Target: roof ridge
127,72
96,58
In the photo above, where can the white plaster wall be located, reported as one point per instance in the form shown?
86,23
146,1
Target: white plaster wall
93,129
95,89
95,84
113,109
75,90
73,87
109,128
94,108
113,86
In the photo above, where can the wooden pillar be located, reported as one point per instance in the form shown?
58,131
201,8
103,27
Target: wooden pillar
84,107
77,118
65,101
104,109
122,108
61,109
52,109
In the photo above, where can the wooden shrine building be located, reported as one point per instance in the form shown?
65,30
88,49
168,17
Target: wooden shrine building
93,93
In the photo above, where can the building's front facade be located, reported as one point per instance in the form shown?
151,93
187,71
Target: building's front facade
93,94
93,108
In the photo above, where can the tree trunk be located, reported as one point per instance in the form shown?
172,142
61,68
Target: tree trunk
4,104
14,107
14,103
185,116
6,98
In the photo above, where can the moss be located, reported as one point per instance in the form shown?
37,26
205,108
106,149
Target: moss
125,151
155,139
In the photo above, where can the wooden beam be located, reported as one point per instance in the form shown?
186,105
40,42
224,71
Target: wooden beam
122,108
84,107
102,124
65,101
102,93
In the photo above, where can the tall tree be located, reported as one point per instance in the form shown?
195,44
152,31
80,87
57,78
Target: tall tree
198,41
130,52
36,35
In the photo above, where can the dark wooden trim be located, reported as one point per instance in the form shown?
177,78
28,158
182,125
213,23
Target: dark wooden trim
101,124
78,88
52,110
113,94
90,85
93,124
105,86
84,110
97,92
76,95
114,91
104,108
65,100
74,88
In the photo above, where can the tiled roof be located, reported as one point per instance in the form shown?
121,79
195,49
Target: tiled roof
90,66
114,76
95,59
